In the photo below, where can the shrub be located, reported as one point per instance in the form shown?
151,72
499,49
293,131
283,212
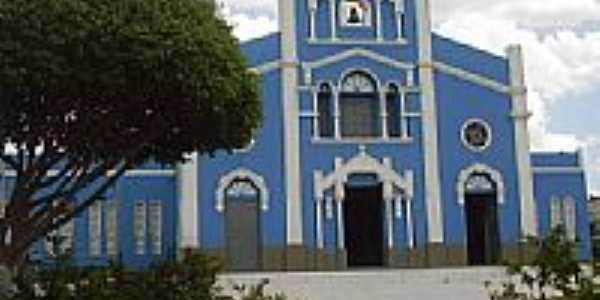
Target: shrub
555,273
193,278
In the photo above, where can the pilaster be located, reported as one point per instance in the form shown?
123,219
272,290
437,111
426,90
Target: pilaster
430,126
187,192
522,151
289,97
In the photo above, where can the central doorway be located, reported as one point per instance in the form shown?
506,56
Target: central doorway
483,243
363,219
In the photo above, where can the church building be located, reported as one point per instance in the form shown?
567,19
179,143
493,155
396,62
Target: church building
383,145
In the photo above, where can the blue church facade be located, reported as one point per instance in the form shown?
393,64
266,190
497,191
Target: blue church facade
383,144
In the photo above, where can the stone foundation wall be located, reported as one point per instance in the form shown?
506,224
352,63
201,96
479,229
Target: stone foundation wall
300,258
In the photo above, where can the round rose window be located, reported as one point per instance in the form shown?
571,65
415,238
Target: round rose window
476,135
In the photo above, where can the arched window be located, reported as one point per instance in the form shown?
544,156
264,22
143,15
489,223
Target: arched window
394,111
324,103
359,106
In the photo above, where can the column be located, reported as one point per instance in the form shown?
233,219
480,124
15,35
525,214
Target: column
333,12
316,128
340,223
521,116
384,115
336,111
410,233
389,215
430,126
378,16
187,191
312,7
319,214
289,84
403,116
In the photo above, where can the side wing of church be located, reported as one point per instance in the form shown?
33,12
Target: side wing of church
383,145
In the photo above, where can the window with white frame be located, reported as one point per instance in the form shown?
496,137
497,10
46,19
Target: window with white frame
357,109
563,214
355,13
95,229
325,111
111,229
394,112
359,106
139,224
155,226
60,241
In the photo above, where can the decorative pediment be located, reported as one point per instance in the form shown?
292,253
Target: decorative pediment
465,176
361,164
309,67
241,174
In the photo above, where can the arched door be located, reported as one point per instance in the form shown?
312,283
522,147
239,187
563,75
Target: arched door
242,226
483,243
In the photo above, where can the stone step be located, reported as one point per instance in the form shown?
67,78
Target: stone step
446,284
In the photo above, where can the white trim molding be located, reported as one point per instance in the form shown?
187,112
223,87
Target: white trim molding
360,164
266,67
241,174
558,170
433,202
522,143
309,67
495,175
473,78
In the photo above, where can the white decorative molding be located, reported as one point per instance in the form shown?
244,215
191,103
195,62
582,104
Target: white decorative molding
558,170
360,164
334,42
266,67
360,52
473,78
522,144
433,202
479,168
241,174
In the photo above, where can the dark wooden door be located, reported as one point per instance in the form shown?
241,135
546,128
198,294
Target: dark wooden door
363,219
482,229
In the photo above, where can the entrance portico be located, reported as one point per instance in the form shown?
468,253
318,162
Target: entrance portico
364,215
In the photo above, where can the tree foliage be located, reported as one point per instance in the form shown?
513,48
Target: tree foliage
91,88
194,278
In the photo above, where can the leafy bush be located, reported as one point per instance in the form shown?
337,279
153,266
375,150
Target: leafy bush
555,274
193,278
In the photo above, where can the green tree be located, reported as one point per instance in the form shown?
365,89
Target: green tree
92,88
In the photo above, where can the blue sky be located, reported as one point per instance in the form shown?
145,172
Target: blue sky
561,42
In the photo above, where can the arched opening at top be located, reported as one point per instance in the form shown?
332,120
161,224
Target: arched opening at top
359,106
